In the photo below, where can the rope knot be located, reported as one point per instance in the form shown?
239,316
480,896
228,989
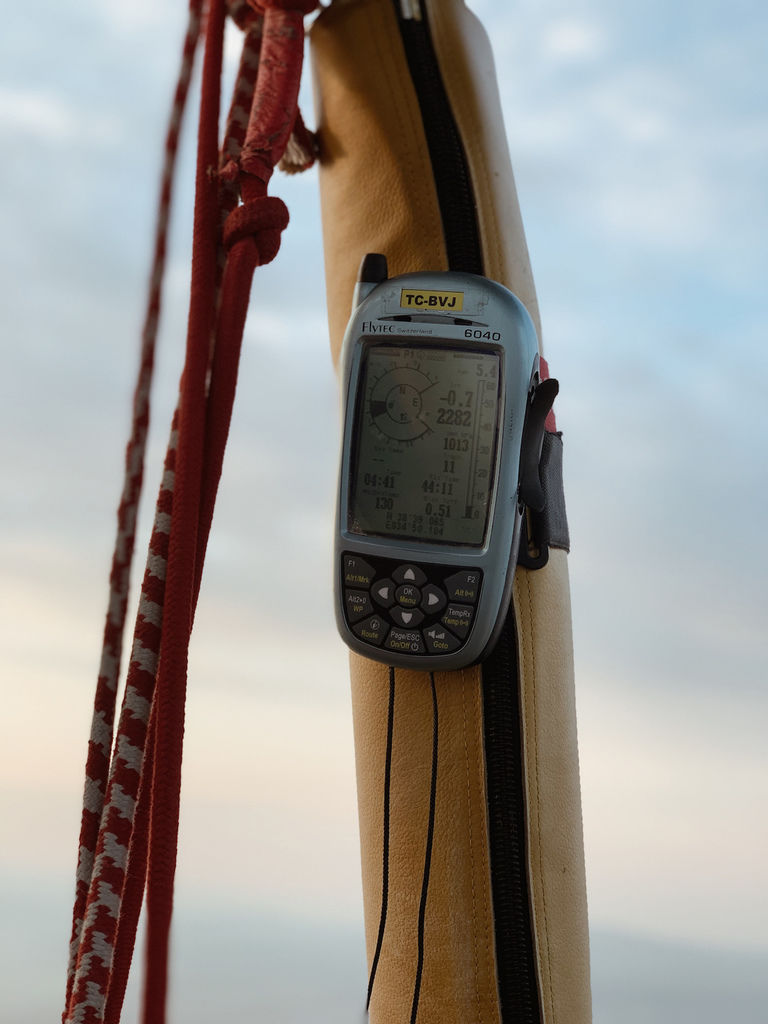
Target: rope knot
243,14
262,219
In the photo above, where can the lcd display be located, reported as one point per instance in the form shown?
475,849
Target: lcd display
426,428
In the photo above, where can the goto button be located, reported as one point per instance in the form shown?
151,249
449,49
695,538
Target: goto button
440,641
408,596
464,586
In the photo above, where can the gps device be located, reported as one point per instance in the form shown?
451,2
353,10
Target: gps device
443,428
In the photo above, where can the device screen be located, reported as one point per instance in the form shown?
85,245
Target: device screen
425,442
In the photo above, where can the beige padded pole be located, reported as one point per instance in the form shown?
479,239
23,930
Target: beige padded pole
378,195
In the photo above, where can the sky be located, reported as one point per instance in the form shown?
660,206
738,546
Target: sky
639,137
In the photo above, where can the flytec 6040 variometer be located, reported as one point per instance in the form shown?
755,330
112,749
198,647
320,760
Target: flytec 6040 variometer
443,426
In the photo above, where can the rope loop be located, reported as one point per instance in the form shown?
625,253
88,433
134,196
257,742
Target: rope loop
263,219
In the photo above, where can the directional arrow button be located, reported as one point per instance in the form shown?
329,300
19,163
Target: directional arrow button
384,593
406,617
409,574
432,599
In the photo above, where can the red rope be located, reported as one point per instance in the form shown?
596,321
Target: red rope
177,617
100,741
139,815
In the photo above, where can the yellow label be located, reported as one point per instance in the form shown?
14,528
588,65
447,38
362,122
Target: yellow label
452,302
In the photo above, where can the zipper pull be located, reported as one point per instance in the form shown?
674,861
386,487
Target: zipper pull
410,10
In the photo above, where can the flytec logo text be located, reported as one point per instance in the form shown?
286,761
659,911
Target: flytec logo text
453,301
369,327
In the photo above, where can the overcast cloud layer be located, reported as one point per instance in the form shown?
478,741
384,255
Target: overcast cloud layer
638,134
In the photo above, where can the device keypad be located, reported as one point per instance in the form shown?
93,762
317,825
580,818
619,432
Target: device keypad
423,609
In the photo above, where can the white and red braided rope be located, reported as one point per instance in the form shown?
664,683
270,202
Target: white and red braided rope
94,955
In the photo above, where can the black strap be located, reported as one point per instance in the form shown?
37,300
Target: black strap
549,527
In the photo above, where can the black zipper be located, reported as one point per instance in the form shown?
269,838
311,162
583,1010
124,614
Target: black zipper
446,150
507,829
507,825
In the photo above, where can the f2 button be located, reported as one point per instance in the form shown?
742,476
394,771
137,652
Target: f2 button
464,586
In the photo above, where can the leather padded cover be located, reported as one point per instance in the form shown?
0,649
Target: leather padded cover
555,842
376,187
377,195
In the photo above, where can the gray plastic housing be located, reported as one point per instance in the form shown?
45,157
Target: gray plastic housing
487,307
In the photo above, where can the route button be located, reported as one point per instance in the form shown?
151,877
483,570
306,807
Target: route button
409,574
372,630
464,586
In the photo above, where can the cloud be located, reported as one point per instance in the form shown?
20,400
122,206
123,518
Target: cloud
52,120
571,39
141,17
669,789
620,135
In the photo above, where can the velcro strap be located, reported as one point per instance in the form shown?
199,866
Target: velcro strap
548,528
